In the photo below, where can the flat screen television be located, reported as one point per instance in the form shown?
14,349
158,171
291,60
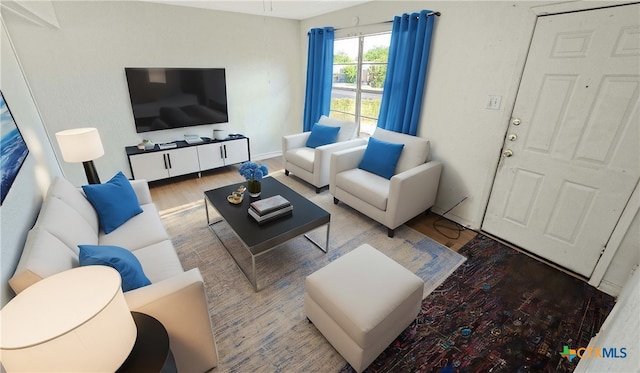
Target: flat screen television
166,98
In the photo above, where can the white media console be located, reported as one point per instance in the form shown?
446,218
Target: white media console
158,164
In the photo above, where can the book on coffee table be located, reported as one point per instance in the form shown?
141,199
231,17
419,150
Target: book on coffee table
267,205
287,210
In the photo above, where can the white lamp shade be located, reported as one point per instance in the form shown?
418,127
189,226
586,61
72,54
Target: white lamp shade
74,321
80,144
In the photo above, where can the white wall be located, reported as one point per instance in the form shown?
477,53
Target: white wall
478,49
21,206
77,71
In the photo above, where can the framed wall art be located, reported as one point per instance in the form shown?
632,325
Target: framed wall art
13,149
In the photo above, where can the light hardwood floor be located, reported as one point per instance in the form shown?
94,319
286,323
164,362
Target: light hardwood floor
176,192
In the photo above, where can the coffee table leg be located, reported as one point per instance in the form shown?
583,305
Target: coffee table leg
249,273
326,244
253,280
206,209
255,275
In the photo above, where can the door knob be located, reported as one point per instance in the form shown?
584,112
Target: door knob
513,137
516,122
507,153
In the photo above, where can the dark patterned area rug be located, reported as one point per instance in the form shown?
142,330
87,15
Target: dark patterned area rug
500,311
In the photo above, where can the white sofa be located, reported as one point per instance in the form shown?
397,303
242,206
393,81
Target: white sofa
410,191
175,297
312,164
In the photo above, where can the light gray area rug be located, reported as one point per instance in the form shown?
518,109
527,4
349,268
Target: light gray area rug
267,331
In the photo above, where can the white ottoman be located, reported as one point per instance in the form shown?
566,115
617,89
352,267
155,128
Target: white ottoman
361,302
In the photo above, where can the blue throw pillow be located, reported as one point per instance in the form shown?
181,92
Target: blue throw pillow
115,202
381,157
122,260
322,135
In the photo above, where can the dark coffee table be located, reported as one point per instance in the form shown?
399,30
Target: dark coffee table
258,239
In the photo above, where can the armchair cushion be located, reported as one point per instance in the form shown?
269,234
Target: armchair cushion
381,157
414,153
366,186
302,157
322,135
347,129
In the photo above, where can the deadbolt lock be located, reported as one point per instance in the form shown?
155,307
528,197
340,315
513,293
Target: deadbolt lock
507,153
516,122
513,137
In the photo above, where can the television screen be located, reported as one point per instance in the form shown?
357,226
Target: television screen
165,98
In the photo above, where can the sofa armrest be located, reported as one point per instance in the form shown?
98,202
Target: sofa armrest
141,187
180,304
298,140
322,158
412,192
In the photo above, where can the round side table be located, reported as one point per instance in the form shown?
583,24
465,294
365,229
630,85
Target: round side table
151,352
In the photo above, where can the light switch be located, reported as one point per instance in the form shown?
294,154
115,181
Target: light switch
493,102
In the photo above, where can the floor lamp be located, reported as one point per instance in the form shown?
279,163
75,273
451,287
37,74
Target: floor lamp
82,145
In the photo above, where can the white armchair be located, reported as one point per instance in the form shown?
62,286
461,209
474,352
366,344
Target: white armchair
410,191
312,164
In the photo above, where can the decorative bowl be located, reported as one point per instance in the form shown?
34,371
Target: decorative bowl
235,198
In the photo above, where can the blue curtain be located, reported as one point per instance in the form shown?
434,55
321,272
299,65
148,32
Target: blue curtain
319,75
406,72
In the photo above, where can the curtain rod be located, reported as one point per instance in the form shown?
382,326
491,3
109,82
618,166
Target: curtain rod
381,23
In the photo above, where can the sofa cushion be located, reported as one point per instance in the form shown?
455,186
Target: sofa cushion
62,189
140,231
301,157
414,153
368,187
322,135
381,157
122,260
65,223
347,129
115,202
43,255
159,261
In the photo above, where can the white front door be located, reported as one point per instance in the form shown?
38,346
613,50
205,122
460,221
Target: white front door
571,156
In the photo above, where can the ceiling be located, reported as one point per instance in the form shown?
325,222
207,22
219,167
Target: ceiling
291,9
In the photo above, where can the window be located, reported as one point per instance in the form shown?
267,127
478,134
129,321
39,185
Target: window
359,70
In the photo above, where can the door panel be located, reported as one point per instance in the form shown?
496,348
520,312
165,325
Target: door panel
575,158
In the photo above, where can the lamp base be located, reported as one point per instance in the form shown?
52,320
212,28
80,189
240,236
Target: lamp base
90,171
